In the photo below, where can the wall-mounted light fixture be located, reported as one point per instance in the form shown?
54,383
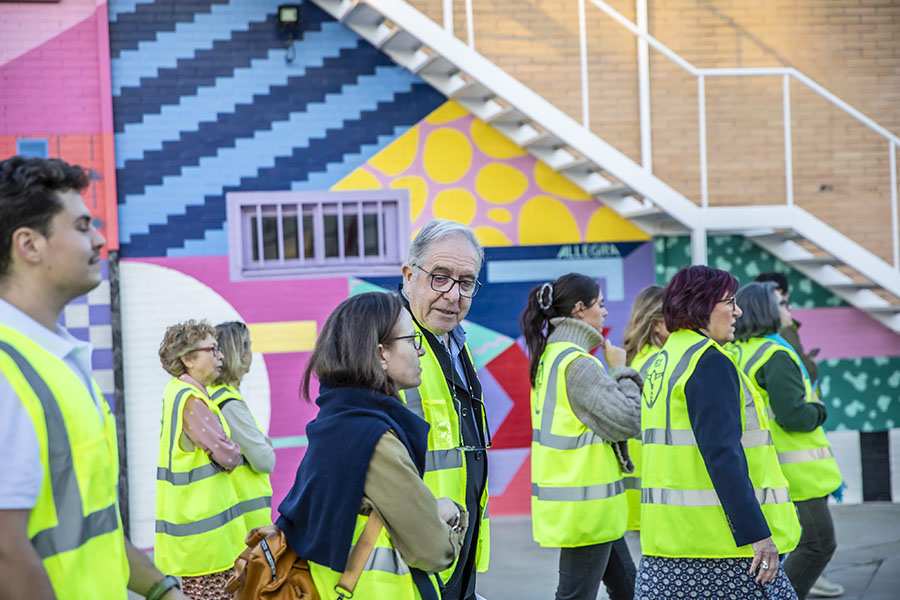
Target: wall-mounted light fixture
289,22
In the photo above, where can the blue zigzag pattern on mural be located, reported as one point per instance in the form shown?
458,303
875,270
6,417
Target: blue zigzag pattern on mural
246,84
205,104
276,105
127,32
287,171
169,48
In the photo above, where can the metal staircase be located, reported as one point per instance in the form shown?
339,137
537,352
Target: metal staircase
414,41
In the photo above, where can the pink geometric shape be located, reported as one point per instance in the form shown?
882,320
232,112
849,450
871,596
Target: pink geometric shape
845,332
24,26
62,85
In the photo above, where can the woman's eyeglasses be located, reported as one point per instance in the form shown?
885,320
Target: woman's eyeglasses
729,301
415,337
214,349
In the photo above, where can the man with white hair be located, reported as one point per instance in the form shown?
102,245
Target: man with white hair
440,279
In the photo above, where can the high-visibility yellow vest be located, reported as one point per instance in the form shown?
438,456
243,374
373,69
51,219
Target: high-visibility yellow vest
640,363
806,458
248,484
445,463
681,515
385,575
74,526
200,525
577,494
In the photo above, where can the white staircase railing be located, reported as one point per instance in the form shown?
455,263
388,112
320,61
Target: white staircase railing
413,40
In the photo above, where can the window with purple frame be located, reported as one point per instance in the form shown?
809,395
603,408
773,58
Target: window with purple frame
318,233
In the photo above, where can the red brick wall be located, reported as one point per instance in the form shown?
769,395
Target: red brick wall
851,47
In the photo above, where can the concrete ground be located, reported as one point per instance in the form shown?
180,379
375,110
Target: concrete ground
867,561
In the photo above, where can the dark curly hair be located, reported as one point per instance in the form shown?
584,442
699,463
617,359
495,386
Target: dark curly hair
29,196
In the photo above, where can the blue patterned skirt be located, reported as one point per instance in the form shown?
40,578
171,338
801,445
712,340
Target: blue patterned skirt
660,578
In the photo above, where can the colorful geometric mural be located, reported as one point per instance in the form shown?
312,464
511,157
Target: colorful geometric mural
458,167
206,103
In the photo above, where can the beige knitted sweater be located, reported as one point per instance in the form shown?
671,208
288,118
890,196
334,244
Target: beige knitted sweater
607,403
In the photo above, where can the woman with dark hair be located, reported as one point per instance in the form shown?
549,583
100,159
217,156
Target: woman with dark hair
199,519
644,336
795,415
366,453
251,478
715,509
581,416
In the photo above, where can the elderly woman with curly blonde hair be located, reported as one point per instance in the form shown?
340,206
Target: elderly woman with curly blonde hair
200,524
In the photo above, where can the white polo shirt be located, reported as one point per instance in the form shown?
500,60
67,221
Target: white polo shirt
22,473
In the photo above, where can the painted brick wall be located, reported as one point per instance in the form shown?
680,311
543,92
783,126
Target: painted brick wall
851,47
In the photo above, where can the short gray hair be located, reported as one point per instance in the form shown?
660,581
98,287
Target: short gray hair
437,230
761,315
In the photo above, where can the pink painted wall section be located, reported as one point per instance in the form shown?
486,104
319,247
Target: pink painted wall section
845,333
62,85
24,26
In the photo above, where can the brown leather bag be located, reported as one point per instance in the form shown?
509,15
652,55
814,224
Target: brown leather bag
269,570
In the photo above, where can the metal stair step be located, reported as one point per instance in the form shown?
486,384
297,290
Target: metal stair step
854,285
401,42
887,309
473,91
816,261
507,115
439,66
363,15
543,139
616,191
777,236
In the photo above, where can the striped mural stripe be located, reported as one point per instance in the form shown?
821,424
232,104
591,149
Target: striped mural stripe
261,82
126,17
288,172
168,47
176,193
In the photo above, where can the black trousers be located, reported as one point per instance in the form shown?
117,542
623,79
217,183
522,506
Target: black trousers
581,570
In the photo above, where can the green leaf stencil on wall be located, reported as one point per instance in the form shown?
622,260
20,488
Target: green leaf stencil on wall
861,393
743,259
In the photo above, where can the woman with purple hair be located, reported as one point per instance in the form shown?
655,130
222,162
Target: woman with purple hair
715,509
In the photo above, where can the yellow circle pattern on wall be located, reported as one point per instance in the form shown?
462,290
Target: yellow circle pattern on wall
500,183
448,155
544,220
455,204
458,167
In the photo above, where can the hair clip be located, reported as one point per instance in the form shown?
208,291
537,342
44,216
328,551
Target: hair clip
540,296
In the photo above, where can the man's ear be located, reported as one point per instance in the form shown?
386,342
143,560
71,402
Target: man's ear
407,272
28,245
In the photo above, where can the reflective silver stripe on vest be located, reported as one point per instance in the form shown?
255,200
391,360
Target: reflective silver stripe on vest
194,475
74,528
559,442
578,493
677,372
414,401
798,456
751,418
685,437
218,393
438,460
386,560
696,498
754,358
213,522
632,483
544,436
